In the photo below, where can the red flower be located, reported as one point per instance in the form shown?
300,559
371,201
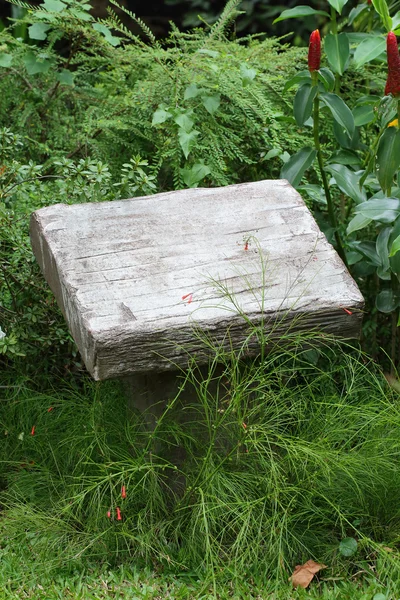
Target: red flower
123,492
33,430
393,60
119,517
314,51
109,514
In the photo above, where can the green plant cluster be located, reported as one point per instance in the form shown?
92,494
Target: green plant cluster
88,115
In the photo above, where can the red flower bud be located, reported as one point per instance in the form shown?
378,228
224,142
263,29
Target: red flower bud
314,51
393,60
119,516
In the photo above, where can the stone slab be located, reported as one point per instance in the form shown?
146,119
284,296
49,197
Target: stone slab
142,282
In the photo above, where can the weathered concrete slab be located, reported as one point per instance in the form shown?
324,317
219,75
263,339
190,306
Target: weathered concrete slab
136,278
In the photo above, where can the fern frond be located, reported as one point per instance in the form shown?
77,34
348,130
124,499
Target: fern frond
228,15
146,30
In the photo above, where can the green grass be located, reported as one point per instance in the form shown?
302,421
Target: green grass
271,464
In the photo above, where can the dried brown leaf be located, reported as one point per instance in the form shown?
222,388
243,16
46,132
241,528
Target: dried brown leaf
304,574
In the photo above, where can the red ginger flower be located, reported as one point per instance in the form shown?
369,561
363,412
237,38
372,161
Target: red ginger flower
393,60
314,51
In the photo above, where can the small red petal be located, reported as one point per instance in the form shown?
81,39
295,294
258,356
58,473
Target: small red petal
244,425
33,430
346,310
50,409
123,492
119,517
246,246
109,514
189,297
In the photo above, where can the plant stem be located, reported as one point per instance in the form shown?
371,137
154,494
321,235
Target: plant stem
331,209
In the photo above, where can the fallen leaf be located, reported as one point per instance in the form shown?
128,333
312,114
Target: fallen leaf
304,574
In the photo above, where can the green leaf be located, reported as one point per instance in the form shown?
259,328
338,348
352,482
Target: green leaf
387,110
54,6
211,103
379,597
192,91
303,103
343,138
37,31
348,182
384,210
337,49
345,157
338,5
382,9
299,11
300,78
358,222
193,176
369,49
66,77
367,249
160,116
187,140
340,111
363,115
5,59
34,65
395,247
386,301
382,247
110,38
247,73
348,546
356,12
184,121
388,157
327,77
297,165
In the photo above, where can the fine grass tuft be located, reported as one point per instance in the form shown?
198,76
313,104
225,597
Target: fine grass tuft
266,465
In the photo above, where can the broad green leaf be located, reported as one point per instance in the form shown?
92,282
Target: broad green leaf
85,16
187,140
337,50
382,9
247,73
54,5
356,12
299,78
327,77
395,247
303,103
345,157
367,249
387,110
348,182
385,211
379,596
211,103
340,111
184,121
111,39
396,21
34,65
343,138
382,247
160,116
5,59
348,546
388,157
66,77
212,53
300,11
192,91
386,301
363,115
338,5
37,31
297,165
369,49
358,222
315,192
193,176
